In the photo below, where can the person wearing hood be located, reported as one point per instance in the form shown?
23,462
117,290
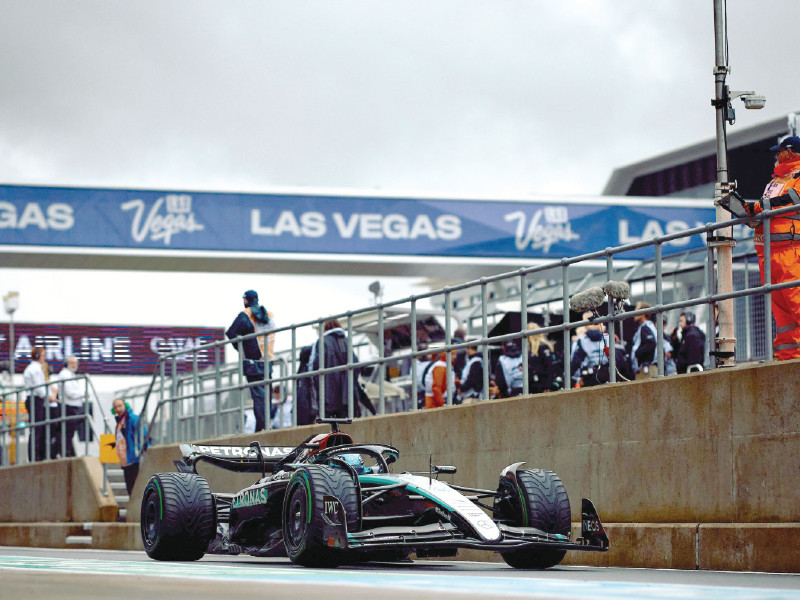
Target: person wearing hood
334,344
508,370
588,354
782,190
258,351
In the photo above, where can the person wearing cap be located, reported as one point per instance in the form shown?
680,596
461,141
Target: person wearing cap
782,190
508,370
258,351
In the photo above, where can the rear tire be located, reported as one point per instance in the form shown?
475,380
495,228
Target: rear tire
178,518
303,513
538,499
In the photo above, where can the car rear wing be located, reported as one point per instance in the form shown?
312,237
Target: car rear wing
240,459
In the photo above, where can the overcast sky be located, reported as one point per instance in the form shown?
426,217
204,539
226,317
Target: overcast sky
492,97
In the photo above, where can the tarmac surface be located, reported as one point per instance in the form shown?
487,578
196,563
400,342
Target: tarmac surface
38,573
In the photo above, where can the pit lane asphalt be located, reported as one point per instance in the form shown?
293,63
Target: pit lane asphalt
37,573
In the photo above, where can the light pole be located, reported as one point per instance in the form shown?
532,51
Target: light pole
11,304
723,239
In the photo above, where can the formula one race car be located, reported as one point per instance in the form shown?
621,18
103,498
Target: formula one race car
329,502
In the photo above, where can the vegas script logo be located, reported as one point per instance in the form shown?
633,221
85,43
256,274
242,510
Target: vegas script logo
176,217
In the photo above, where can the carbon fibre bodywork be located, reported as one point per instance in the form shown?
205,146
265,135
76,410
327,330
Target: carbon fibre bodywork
392,516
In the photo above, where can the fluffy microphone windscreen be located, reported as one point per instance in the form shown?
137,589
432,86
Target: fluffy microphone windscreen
587,299
618,290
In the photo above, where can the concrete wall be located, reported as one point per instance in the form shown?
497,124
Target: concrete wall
55,491
716,447
690,471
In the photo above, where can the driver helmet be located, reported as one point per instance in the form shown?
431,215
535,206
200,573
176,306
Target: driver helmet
355,461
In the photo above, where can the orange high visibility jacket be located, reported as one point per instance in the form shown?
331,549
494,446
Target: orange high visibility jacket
784,228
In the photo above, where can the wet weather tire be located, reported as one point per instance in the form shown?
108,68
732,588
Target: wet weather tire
303,513
178,517
538,499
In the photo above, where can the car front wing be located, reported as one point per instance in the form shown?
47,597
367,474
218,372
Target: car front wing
447,535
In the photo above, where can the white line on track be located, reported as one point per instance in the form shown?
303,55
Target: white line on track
463,584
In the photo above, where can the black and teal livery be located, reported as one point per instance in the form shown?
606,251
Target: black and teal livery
329,501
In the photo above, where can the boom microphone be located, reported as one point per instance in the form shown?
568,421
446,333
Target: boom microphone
587,299
618,290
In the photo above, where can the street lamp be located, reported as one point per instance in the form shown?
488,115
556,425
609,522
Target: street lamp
377,291
11,304
723,239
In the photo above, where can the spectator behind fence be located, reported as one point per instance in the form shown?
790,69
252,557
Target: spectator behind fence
588,354
255,318
645,344
283,408
71,392
36,404
436,383
782,190
125,444
688,344
423,363
542,368
334,341
307,410
471,375
508,370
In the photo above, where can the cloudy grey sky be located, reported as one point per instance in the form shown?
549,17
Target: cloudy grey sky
463,96
497,97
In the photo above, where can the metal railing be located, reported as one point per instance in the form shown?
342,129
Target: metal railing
24,433
173,403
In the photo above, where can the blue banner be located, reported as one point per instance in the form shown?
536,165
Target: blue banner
301,223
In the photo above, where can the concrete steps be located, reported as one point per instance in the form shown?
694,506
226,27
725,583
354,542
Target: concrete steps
116,482
82,539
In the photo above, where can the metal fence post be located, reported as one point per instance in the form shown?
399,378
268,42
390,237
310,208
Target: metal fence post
241,389
414,359
382,364
293,368
612,328
659,302
566,337
768,281
217,395
484,337
350,377
448,339
173,394
523,326
196,396
321,376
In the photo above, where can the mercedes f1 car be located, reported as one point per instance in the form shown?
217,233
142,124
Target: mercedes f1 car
329,501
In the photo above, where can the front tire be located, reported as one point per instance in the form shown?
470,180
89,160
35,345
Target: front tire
303,520
178,517
537,499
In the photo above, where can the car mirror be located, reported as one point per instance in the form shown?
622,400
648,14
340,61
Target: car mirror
445,470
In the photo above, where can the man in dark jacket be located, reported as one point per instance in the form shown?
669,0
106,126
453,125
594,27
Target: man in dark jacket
689,344
306,411
335,348
255,318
